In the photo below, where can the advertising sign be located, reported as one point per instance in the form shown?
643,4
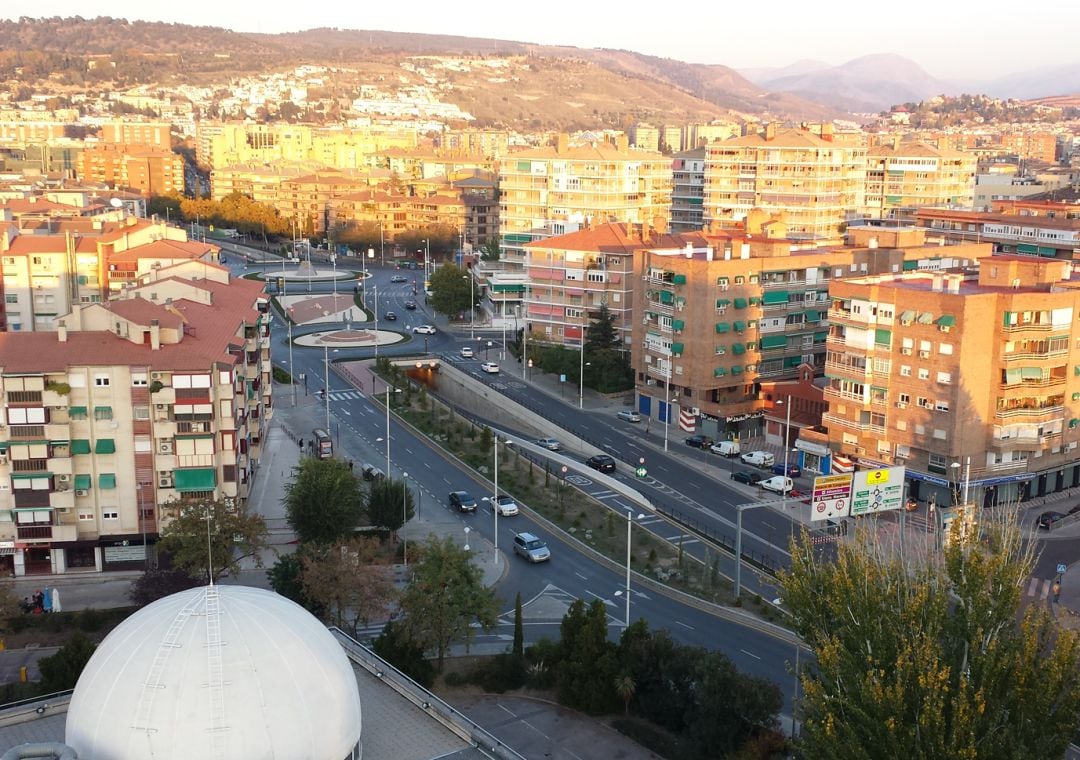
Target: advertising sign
832,497
875,491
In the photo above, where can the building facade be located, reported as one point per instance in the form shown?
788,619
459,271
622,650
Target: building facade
906,176
1042,236
688,191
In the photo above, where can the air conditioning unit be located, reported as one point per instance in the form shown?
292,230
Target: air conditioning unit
198,427
155,375
695,411
3,458
81,492
165,447
160,406
905,351
165,483
901,405
64,510
63,478
924,354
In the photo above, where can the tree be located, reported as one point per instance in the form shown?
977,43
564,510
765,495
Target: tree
61,671
931,658
159,583
286,577
450,290
394,646
601,332
360,236
519,631
441,239
323,501
347,583
234,535
624,687
445,596
385,501
587,664
9,609
490,251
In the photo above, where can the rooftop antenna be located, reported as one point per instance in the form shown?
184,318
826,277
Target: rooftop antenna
209,547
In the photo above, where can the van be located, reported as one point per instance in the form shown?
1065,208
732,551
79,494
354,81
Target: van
758,458
324,445
371,472
727,449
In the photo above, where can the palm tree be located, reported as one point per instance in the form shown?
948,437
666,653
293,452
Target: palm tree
625,688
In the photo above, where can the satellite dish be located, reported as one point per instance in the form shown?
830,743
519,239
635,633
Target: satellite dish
116,203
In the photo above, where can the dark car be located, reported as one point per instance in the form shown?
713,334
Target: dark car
699,441
390,316
462,501
746,476
793,470
601,462
1047,519
410,306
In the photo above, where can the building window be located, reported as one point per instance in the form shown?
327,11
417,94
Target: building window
925,403
905,370
140,412
139,381
84,516
101,381
901,424
904,399
939,434
924,374
945,349
936,463
942,406
945,378
11,297
110,515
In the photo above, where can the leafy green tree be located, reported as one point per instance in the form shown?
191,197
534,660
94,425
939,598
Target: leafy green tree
490,251
601,333
445,596
61,671
286,577
394,646
348,583
450,290
9,609
587,668
360,236
441,239
390,504
931,659
166,206
519,631
160,582
323,501
233,535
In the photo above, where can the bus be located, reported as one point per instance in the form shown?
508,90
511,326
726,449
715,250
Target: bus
324,446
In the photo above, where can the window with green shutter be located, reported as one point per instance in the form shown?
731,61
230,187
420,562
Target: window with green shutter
106,481
722,327
80,446
736,370
740,326
771,342
105,446
740,303
82,482
738,349
679,279
678,324
676,348
77,413
773,297
667,297
719,371
883,337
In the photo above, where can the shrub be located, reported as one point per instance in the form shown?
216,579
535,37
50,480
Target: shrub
650,736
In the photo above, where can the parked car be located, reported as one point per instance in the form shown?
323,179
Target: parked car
746,476
462,501
390,316
758,458
699,441
601,462
399,278
424,329
467,353
629,415
371,472
727,449
550,444
410,306
777,484
793,470
1047,519
490,367
531,548
506,505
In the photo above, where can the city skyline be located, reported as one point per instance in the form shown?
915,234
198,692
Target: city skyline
926,32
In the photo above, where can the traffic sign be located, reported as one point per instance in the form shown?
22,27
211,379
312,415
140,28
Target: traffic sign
641,472
1061,568
832,496
877,490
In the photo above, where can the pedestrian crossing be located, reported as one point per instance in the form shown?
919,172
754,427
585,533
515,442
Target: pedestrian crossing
1040,588
345,395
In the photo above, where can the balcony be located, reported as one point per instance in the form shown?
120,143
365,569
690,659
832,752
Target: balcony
1032,414
52,398
1032,327
1024,385
62,499
59,465
166,395
834,419
850,369
164,462
1034,356
1024,441
33,533
846,396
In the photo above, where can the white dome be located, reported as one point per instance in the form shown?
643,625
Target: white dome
217,672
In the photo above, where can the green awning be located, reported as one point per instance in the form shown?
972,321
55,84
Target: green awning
737,369
773,341
676,348
678,324
926,318
775,297
105,446
1027,248
77,412
102,412
82,482
203,479
1031,373
106,481
910,266
946,320
755,301
738,349
719,372
30,475
723,303
80,446
1012,375
792,361
679,279
821,337
496,288
740,303
740,326
814,315
907,316
666,296
883,337
722,327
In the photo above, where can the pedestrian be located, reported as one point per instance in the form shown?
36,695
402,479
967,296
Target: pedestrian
1057,591
350,465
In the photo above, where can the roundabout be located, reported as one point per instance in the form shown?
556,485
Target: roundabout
350,338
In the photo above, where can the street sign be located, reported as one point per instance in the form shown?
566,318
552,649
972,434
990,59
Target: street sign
641,472
1061,568
875,491
831,497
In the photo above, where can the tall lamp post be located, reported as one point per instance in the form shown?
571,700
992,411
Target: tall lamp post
739,509
472,307
495,498
404,513
288,324
626,591
581,372
787,436
326,394
375,315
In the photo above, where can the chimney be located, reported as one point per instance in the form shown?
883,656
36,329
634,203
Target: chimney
689,250
561,142
827,131
727,252
61,332
770,131
155,335
622,143
953,282
937,283
896,142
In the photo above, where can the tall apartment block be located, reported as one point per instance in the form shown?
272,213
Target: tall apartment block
1032,146
816,185
127,409
145,170
903,177
934,370
548,191
726,312
688,190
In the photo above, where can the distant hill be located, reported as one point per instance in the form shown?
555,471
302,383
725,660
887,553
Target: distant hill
1037,83
555,86
764,74
864,85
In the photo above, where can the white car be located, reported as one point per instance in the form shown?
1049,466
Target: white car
777,484
629,416
490,367
506,505
758,458
467,353
551,444
424,329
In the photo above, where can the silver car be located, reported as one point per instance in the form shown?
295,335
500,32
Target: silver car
629,416
531,548
551,444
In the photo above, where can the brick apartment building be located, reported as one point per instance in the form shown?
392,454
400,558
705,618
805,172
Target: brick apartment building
1041,236
903,177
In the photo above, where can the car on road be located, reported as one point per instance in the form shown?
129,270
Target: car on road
506,505
410,306
531,548
777,484
699,441
746,476
424,329
490,367
462,501
399,278
467,353
727,449
1047,519
629,415
551,444
793,470
758,458
601,462
390,316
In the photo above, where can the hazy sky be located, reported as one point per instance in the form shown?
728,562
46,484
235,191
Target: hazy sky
949,38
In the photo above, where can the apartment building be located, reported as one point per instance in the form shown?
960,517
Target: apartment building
688,190
306,200
700,135
645,137
144,170
903,177
156,135
126,410
552,190
725,313
816,184
1031,146
1042,236
485,143
936,370
671,139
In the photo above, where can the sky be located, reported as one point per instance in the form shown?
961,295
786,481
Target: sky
955,39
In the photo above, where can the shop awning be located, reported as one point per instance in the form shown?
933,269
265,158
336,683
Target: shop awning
80,446
82,482
106,481
203,479
105,446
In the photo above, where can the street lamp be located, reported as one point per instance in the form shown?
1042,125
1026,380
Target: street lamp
629,524
670,401
581,372
739,509
495,498
472,307
288,324
404,514
467,529
787,437
326,394
379,440
375,315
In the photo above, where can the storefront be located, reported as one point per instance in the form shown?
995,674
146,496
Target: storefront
815,457
124,552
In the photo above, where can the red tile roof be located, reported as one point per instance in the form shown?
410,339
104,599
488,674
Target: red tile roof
165,249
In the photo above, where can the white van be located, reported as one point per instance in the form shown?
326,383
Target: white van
758,458
726,448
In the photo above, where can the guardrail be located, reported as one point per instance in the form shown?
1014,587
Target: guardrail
454,720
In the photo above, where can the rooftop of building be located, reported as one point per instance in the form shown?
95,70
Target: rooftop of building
618,237
596,151
781,138
983,216
165,249
915,150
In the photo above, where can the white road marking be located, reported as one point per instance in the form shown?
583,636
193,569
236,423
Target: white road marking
684,625
507,710
579,575
750,653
